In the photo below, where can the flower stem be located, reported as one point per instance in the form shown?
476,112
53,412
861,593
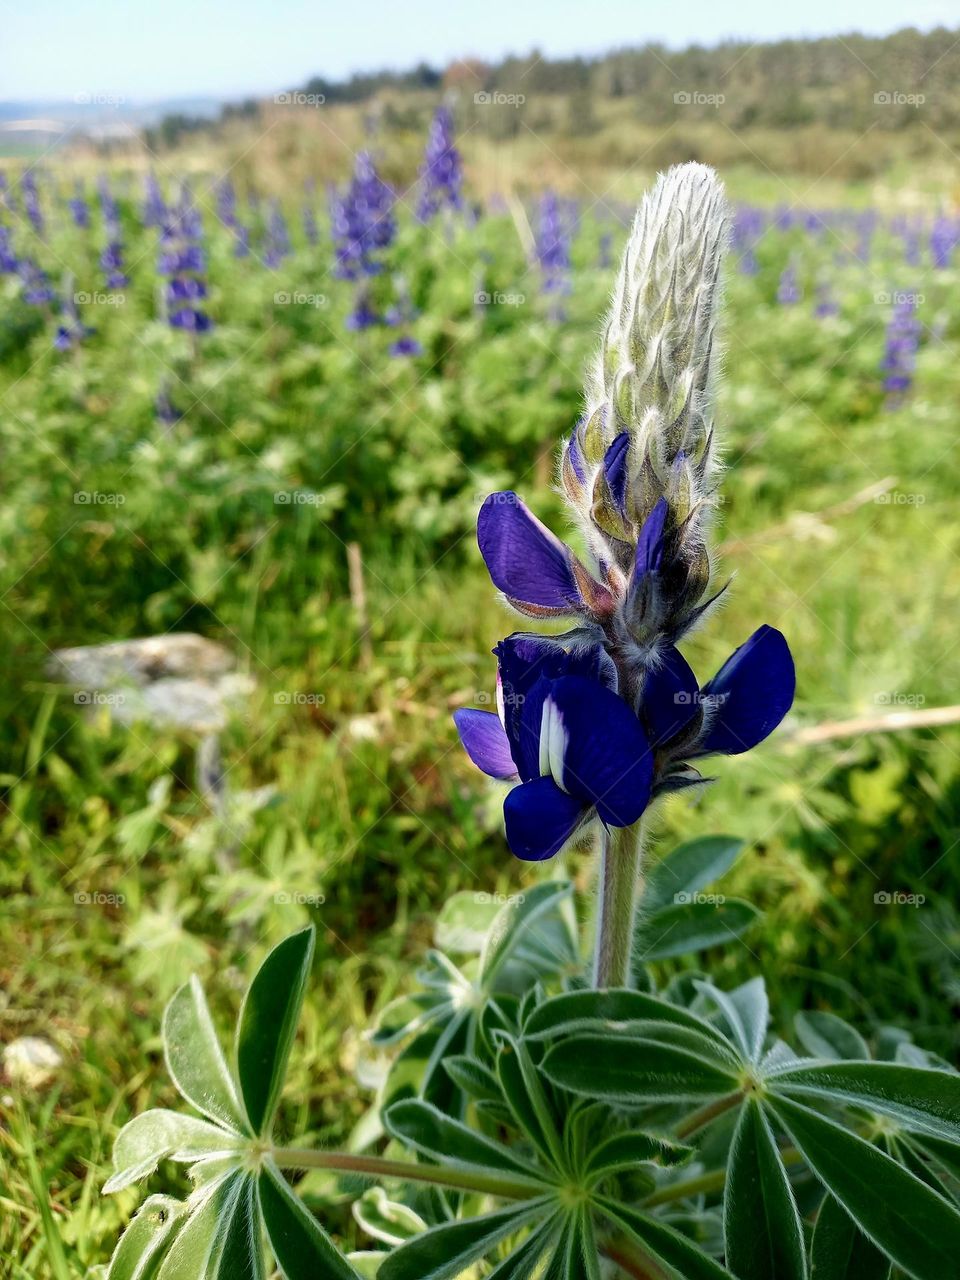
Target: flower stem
621,853
437,1175
698,1119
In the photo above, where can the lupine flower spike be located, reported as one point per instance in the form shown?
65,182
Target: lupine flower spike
600,721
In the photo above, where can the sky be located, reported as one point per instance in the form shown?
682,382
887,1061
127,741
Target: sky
138,52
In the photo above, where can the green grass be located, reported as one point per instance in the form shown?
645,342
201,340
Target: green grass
375,808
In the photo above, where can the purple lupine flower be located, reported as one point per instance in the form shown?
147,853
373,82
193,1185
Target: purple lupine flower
401,315
788,289
748,226
71,330
277,244
363,221
79,209
604,253
944,237
826,303
164,408
183,261
364,315
8,259
154,205
597,723
31,201
111,259
36,283
553,245
441,176
900,353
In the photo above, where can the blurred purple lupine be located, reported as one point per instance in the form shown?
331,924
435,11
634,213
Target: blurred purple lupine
111,260
79,210
227,214
441,175
748,226
8,259
31,201
363,221
826,303
553,251
71,330
401,315
944,237
183,261
154,205
277,241
788,290
37,289
900,354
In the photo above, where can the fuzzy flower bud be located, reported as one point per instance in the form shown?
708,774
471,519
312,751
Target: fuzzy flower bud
640,468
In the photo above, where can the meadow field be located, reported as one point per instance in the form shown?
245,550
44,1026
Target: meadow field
286,476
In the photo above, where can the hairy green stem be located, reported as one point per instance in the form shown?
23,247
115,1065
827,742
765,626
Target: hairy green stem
621,853
436,1175
705,1183
697,1120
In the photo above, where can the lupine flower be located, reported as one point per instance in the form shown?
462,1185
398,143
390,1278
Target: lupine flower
441,176
182,260
944,238
164,407
37,289
71,330
903,338
553,251
31,201
79,210
826,303
154,205
362,221
788,289
8,259
227,214
605,251
598,722
402,314
277,245
111,259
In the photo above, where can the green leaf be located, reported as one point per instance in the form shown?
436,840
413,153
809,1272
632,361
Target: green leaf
840,1251
665,1246
628,1150
529,1259
683,929
824,1035
921,1100
762,1229
384,1219
268,1024
300,1245
446,1251
634,1070
157,1135
402,1017
242,1247
688,869
513,920
142,1246
195,1060
464,921
915,1226
422,1126
529,1103
747,1013
473,1078
195,1252
593,1010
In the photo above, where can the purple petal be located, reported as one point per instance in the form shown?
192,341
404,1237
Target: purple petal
607,761
670,699
650,542
540,819
576,457
749,695
485,742
615,468
526,561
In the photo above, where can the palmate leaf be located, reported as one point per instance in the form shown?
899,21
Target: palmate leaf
159,1135
684,928
195,1060
386,1220
301,1246
746,1010
840,1251
762,1228
449,1249
689,868
145,1241
824,1035
428,1131
674,1256
515,923
636,1070
913,1224
919,1099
